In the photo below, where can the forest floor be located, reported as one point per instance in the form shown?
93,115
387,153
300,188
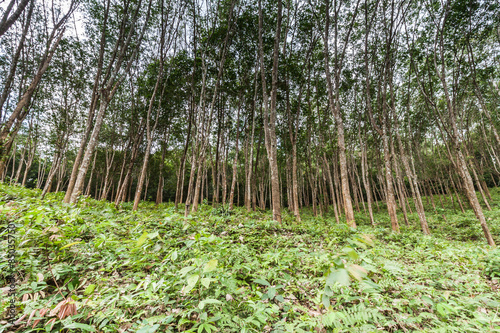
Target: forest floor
95,268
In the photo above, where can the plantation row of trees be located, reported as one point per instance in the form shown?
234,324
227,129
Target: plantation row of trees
334,105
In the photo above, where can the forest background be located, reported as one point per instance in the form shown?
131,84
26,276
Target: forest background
337,106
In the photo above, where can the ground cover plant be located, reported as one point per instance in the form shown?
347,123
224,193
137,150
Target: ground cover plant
93,267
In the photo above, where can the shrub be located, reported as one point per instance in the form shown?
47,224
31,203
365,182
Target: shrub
492,266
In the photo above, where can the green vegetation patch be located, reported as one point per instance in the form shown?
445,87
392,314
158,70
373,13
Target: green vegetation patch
97,268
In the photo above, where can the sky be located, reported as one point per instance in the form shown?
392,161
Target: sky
76,24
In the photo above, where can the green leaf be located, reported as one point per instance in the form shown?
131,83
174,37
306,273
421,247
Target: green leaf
262,282
208,301
341,276
155,319
338,262
440,308
206,327
173,256
90,289
84,327
142,239
350,252
271,293
357,243
68,245
366,239
153,235
186,270
328,291
210,266
427,300
206,282
39,219
325,300
368,285
191,282
148,329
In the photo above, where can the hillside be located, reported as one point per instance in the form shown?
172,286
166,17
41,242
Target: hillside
95,268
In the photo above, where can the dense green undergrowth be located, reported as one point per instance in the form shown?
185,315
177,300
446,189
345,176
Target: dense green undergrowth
96,268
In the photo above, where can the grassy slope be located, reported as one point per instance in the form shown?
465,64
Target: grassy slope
154,269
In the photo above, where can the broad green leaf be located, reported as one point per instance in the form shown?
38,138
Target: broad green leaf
440,308
368,285
427,300
153,235
338,262
341,276
142,239
350,252
191,282
208,301
366,239
173,256
90,289
357,243
39,219
326,301
193,279
328,291
206,282
262,282
186,270
84,327
210,266
271,292
148,329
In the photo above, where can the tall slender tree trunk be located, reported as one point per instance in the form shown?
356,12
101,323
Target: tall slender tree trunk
108,91
334,104
366,182
235,161
459,158
270,111
161,181
412,177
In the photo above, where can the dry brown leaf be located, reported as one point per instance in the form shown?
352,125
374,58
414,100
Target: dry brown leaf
55,310
20,319
54,237
35,323
53,321
31,316
61,314
67,309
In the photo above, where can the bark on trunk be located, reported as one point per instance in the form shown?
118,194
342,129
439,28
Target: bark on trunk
270,111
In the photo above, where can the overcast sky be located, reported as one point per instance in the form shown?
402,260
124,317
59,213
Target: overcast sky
74,27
